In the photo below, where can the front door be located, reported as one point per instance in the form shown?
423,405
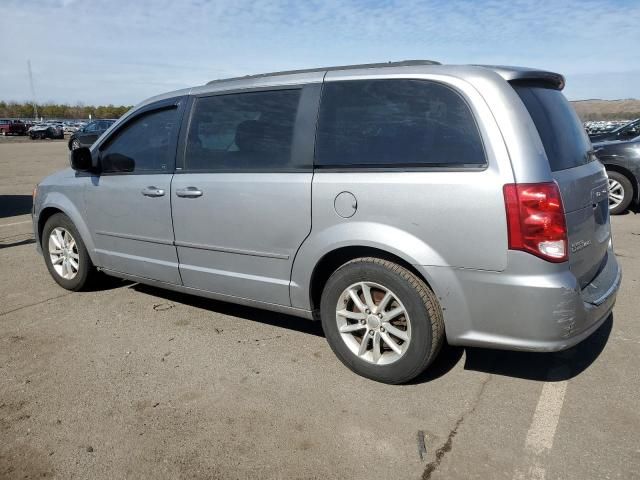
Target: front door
242,201
129,205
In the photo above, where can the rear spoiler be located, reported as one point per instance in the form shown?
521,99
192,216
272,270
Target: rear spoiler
528,75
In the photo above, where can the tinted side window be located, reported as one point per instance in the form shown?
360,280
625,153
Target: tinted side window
92,127
563,137
244,131
148,140
389,123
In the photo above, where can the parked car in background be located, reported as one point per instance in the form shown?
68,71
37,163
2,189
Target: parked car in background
594,127
379,199
625,132
622,161
70,127
85,136
46,130
12,127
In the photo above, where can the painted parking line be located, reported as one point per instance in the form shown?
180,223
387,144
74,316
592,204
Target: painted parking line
542,430
16,223
545,419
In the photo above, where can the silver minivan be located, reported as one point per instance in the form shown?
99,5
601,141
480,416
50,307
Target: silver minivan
401,204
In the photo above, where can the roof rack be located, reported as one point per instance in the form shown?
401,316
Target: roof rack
403,63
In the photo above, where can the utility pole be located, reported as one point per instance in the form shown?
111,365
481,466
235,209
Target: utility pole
33,91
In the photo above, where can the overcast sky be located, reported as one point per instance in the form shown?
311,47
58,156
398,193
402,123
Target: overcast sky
122,51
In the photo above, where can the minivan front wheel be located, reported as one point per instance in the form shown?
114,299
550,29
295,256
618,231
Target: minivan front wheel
620,192
381,320
65,254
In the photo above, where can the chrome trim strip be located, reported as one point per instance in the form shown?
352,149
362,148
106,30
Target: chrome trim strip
198,246
136,237
288,310
238,251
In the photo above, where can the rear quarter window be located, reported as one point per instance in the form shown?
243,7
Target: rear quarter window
396,123
564,139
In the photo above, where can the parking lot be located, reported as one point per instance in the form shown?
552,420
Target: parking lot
130,381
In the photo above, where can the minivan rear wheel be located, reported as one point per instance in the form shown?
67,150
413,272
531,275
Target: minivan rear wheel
620,192
381,320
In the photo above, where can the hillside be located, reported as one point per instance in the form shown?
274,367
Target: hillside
607,109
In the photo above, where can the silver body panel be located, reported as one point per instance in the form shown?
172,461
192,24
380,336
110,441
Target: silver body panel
264,219
132,232
255,238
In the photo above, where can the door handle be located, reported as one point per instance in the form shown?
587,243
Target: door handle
152,192
189,192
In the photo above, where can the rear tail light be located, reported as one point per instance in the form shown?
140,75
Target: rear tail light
535,220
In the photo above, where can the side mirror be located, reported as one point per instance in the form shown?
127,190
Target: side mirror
81,160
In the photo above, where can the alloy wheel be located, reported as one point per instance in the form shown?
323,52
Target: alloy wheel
63,252
373,323
616,193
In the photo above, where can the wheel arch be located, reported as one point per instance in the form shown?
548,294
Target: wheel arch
349,240
50,209
337,257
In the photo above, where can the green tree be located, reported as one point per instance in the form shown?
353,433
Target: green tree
61,111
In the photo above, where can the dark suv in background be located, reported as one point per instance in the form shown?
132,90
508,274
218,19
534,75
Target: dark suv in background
622,161
89,134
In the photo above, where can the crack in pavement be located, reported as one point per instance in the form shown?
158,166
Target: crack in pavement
448,444
34,304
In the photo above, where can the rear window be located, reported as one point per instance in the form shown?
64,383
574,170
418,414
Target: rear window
564,139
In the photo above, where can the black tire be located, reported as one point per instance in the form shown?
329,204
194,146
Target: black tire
74,144
627,189
86,271
427,324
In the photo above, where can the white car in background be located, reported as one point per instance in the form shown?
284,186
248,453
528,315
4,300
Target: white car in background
70,127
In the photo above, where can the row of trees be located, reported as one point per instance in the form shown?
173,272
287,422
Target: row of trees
60,111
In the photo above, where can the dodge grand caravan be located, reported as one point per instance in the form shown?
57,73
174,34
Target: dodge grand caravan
400,204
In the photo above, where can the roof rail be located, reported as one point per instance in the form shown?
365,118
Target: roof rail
403,63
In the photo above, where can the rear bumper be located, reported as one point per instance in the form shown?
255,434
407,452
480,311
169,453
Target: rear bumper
534,306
